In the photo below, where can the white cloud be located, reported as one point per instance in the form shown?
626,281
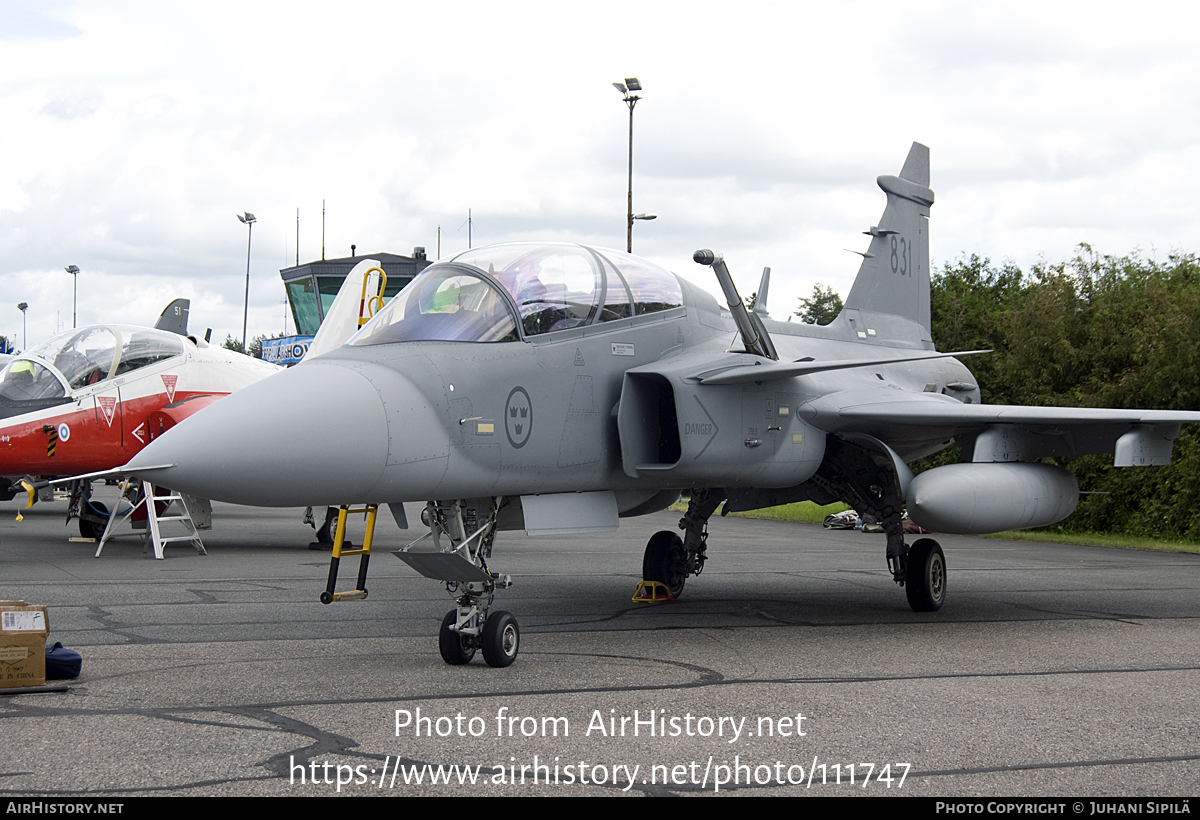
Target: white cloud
137,131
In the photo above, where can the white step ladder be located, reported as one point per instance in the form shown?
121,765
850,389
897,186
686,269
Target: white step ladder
154,520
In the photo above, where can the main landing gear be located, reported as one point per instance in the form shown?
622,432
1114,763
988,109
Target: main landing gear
925,576
93,516
669,559
460,559
864,473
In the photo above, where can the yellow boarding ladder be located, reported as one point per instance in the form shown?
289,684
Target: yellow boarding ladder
367,307
357,594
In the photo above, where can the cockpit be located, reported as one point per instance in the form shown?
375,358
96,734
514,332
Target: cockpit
47,373
505,293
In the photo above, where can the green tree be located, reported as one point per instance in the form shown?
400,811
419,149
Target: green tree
969,304
1093,331
822,307
256,344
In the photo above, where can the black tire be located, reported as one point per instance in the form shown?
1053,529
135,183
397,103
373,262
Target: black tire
665,561
925,576
456,648
93,519
501,639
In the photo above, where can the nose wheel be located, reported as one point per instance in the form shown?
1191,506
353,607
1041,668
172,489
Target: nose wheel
456,647
461,636
501,639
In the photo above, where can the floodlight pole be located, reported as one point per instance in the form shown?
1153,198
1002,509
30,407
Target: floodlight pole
74,271
23,306
248,220
632,100
627,90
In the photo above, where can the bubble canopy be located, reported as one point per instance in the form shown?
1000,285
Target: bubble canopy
504,293
76,359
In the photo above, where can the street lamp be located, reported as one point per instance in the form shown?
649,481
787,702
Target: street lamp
248,220
627,90
23,306
74,271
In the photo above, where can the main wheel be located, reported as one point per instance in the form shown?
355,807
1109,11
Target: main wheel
93,519
501,639
665,561
925,576
455,647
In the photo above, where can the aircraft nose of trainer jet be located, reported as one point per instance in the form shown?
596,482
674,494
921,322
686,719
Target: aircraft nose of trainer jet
273,444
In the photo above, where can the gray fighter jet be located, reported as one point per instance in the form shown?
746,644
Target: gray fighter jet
558,388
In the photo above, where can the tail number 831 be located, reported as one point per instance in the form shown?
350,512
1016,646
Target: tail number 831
901,250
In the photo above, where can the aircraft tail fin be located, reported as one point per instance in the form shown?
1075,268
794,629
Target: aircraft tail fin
760,298
175,317
894,275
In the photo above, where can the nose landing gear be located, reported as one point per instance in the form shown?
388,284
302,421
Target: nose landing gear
460,559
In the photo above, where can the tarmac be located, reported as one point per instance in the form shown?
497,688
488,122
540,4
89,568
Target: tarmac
792,666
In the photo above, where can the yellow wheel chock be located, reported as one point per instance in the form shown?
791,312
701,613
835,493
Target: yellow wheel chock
652,592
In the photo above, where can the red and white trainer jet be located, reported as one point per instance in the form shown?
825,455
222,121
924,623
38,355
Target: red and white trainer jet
89,399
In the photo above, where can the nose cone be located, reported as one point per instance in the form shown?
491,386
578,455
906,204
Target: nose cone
317,434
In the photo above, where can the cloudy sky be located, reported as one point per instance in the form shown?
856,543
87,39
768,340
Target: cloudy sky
133,133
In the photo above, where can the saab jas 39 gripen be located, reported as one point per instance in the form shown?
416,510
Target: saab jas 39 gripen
558,388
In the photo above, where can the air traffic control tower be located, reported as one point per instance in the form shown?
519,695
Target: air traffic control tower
312,287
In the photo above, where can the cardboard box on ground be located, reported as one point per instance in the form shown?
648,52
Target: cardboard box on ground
23,630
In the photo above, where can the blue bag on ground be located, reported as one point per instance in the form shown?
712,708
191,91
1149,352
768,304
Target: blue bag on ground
62,663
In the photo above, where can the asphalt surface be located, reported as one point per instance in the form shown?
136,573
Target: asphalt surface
1051,671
